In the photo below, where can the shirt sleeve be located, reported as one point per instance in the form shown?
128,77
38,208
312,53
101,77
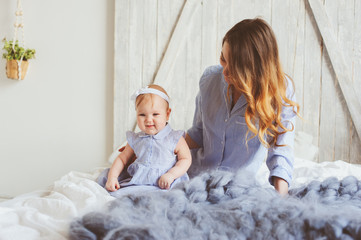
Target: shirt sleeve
196,131
280,159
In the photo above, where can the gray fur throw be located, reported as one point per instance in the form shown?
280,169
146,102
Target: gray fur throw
221,205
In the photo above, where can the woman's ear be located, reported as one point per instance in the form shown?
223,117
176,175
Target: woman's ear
168,113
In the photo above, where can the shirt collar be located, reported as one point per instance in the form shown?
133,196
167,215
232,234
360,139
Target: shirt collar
161,134
241,102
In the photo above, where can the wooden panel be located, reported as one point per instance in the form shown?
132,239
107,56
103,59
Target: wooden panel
135,58
209,46
176,78
328,98
173,12
193,63
121,65
299,59
143,33
262,9
348,37
344,35
311,78
139,46
172,71
224,21
165,25
356,68
355,148
338,62
286,31
149,54
176,43
280,10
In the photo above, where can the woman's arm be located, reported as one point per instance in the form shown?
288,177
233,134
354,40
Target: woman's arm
181,166
280,158
194,135
280,162
280,185
117,167
191,143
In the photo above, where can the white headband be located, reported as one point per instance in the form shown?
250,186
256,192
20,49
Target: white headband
146,90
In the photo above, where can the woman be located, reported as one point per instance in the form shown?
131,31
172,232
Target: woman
245,108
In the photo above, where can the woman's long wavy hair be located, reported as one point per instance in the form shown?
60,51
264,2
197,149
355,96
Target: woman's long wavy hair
256,72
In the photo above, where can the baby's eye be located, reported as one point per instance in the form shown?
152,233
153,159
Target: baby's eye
141,114
155,114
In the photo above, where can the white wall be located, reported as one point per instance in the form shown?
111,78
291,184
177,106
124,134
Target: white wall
60,117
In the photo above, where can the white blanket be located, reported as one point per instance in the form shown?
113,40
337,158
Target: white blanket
47,214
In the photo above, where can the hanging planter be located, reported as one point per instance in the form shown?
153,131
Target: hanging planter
12,69
17,56
17,59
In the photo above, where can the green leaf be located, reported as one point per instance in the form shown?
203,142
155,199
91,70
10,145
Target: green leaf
17,52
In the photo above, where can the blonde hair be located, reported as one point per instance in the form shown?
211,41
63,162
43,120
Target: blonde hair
149,96
256,72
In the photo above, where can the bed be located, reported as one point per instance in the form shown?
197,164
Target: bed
324,202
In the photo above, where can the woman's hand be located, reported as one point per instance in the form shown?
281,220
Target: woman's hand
280,185
166,180
112,185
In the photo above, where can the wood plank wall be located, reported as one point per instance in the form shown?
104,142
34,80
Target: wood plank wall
143,29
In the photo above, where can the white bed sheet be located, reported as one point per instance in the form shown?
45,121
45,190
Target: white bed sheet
47,214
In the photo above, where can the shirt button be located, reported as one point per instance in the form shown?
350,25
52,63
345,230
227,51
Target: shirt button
226,120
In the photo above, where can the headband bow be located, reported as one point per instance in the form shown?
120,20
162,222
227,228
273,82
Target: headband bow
147,90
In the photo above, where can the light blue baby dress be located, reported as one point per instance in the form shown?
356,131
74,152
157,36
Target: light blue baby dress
155,156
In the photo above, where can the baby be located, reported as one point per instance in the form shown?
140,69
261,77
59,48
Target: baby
162,154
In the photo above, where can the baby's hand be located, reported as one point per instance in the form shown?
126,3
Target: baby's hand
112,185
165,181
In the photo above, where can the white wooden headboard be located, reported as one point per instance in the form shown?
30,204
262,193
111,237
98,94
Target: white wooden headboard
171,42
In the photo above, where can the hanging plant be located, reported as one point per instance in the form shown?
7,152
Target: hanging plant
17,52
15,56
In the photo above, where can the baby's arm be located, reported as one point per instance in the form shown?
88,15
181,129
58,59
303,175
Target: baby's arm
180,168
117,167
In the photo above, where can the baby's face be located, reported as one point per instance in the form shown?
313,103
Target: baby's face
152,115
